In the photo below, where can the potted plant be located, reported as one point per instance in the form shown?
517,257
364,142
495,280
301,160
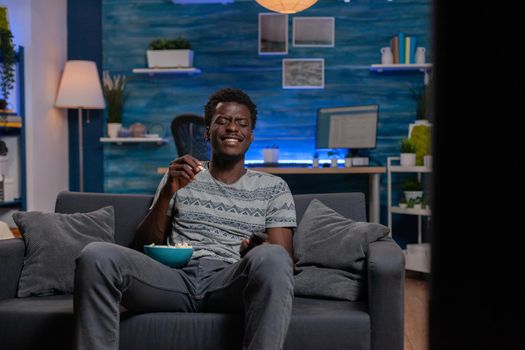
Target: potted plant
408,152
7,64
114,88
315,160
402,203
412,189
170,53
348,159
333,158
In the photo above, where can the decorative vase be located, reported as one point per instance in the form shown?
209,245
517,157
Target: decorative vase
315,162
271,155
113,129
333,162
348,162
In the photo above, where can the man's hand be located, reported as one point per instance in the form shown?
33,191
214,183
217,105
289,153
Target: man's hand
180,173
252,242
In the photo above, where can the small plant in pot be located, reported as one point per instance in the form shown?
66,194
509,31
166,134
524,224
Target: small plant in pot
333,155
315,160
402,203
412,189
408,152
170,53
114,88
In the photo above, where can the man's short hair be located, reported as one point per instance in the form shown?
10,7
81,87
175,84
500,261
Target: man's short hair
229,95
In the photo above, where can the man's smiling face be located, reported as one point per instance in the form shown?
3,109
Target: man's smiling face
230,131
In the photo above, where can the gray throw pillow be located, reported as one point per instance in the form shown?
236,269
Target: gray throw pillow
330,252
53,242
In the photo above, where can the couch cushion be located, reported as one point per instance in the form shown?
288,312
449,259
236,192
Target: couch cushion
330,252
328,324
53,242
47,322
37,323
315,323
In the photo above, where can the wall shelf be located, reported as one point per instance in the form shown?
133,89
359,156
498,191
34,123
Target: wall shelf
423,68
9,204
400,67
153,71
121,140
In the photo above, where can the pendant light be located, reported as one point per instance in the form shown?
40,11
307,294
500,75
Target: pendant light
286,6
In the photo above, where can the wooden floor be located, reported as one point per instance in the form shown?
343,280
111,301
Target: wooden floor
416,311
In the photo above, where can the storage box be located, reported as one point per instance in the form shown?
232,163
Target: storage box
417,257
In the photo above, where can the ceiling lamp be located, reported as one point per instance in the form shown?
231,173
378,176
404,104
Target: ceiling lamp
286,6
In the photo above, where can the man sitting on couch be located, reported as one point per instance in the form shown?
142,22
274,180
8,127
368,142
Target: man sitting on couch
215,207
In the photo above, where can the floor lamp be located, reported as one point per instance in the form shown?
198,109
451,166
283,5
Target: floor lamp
80,89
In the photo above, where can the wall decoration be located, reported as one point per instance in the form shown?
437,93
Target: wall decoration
273,34
304,73
313,31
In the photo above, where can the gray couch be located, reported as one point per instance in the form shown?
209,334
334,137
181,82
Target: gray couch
373,323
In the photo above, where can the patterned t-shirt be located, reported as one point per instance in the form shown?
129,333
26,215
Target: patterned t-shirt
215,217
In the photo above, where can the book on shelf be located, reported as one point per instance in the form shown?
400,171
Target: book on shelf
401,47
413,42
394,46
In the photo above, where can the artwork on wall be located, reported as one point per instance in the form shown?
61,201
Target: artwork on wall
273,34
304,73
313,31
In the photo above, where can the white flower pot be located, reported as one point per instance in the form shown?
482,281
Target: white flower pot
402,205
413,195
408,159
170,58
271,155
113,129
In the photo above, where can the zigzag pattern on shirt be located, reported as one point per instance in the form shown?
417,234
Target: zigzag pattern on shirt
221,221
262,194
209,204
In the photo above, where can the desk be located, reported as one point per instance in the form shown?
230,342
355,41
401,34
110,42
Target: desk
373,180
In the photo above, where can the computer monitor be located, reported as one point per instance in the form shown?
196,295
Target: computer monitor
352,127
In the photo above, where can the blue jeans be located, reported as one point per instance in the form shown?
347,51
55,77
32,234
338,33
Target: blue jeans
107,275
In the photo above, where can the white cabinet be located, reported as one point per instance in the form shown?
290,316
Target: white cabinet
418,254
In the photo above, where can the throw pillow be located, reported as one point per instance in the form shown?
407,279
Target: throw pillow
53,242
330,252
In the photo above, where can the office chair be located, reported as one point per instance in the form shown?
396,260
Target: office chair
188,134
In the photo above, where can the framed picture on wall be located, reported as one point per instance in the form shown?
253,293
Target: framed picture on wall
313,31
304,73
273,34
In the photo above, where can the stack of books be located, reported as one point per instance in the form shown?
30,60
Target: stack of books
10,121
403,48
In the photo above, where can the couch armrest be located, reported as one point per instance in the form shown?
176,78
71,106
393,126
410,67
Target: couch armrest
11,259
386,285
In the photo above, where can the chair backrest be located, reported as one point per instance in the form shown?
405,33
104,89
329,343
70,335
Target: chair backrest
188,134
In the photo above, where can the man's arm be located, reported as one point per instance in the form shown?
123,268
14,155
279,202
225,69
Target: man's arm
155,225
281,236
154,228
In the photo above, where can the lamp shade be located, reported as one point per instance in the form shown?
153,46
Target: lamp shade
80,86
286,6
